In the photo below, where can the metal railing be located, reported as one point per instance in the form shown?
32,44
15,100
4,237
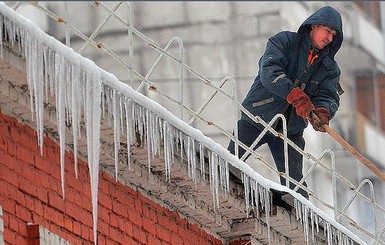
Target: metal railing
375,235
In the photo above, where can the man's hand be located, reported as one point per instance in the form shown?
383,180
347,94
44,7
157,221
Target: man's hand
319,117
301,102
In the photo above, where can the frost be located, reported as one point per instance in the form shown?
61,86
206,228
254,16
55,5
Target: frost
85,95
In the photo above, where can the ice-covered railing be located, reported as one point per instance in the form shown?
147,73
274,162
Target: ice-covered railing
74,81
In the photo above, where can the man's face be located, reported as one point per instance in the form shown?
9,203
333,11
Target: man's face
321,35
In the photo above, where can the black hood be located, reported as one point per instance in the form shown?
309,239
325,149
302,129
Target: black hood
325,16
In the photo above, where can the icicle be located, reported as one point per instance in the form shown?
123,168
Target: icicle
35,80
158,134
116,115
147,125
139,120
329,234
223,175
216,176
75,99
39,89
193,160
154,136
259,193
212,177
267,210
121,112
93,117
306,223
159,129
171,135
166,150
245,182
61,74
190,169
127,105
202,160
181,145
312,215
248,185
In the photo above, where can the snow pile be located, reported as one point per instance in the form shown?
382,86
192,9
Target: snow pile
85,94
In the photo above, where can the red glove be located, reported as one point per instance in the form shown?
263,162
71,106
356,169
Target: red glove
322,117
301,102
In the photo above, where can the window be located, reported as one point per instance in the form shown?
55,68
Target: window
39,235
371,97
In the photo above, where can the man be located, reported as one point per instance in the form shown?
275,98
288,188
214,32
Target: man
297,77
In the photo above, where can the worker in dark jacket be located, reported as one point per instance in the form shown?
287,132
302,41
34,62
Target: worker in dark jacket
297,76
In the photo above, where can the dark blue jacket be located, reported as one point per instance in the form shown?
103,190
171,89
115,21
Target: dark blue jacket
285,60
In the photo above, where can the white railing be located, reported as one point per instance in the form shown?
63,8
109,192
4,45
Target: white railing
374,235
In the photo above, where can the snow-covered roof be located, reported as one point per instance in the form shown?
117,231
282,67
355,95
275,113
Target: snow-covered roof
54,69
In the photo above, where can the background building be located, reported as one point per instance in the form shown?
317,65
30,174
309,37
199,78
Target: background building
222,42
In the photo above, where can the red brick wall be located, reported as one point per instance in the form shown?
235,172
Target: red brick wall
30,191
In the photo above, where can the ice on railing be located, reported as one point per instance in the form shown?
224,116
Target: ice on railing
85,94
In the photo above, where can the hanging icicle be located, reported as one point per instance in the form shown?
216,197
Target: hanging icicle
116,118
60,79
129,129
75,112
93,117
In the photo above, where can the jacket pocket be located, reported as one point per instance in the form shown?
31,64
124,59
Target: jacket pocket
263,102
312,87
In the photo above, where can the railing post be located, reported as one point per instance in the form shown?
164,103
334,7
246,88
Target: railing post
16,5
236,115
67,30
181,70
130,46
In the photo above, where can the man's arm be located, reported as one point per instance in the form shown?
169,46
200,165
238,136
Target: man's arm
273,63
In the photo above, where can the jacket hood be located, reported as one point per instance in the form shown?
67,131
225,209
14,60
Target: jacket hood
325,16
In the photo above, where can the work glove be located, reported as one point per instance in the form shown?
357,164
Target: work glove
301,102
320,116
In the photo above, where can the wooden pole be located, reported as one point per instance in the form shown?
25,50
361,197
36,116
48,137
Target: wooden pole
355,153
350,148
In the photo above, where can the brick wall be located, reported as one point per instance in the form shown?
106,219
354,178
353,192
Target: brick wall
30,192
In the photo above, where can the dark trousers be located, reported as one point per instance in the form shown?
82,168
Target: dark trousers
247,134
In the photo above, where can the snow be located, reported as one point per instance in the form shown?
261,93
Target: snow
83,90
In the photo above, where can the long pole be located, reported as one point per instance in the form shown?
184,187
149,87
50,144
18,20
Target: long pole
349,148
355,153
